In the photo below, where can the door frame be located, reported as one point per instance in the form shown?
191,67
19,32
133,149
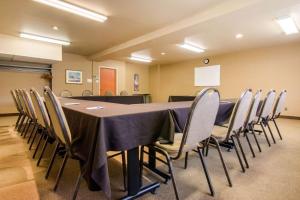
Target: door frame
117,78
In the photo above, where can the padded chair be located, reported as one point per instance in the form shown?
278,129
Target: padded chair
123,93
249,124
196,134
25,120
227,135
265,114
87,93
278,108
63,136
43,120
18,107
65,93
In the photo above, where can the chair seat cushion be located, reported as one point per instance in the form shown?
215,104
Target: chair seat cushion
220,132
171,148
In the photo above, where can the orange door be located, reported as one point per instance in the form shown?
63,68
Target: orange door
107,81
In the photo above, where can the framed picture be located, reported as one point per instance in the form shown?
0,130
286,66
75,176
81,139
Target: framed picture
136,82
73,77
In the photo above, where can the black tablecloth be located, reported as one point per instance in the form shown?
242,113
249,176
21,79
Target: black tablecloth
181,98
119,127
136,99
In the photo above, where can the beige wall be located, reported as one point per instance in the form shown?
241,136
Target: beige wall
143,72
15,80
275,67
73,62
90,70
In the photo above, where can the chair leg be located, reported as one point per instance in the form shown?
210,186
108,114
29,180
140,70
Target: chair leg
38,144
43,151
255,138
21,123
18,120
34,136
242,150
124,170
76,188
277,128
212,192
264,131
238,154
52,160
250,145
268,125
31,133
186,160
61,170
222,161
24,126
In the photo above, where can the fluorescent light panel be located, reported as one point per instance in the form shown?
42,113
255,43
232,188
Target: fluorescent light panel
288,25
191,47
43,39
141,59
73,9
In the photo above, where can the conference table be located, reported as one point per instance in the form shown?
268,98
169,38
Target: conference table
98,127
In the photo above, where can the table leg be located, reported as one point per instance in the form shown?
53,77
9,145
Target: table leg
133,177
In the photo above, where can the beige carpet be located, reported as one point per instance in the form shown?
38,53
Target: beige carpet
273,175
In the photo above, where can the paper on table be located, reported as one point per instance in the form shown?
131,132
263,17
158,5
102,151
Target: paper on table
94,108
68,104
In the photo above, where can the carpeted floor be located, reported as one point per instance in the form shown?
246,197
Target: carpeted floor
273,175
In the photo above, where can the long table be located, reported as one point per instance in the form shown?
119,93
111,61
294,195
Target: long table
135,99
117,127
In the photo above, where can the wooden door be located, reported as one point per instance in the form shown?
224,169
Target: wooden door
108,80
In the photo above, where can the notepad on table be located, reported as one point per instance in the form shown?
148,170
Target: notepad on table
94,108
72,103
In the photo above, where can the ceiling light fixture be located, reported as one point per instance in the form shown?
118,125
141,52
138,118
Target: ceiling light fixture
74,9
162,53
44,39
288,25
141,59
55,28
191,47
239,36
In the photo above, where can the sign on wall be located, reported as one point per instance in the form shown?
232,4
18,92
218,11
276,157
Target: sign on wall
136,82
207,76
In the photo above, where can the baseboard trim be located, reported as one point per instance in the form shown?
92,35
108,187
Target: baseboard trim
289,117
8,114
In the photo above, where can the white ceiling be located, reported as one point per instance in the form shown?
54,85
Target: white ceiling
149,27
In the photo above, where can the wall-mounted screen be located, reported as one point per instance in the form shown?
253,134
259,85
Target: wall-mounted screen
207,76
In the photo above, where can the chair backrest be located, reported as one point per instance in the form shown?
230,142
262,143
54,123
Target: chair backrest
66,93
40,109
267,105
279,105
254,107
239,113
201,118
87,93
123,93
19,94
58,120
16,101
28,104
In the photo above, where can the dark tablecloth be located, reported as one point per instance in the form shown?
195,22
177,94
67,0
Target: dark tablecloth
181,98
136,99
119,127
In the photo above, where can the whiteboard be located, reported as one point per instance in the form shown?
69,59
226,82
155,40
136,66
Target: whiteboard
207,76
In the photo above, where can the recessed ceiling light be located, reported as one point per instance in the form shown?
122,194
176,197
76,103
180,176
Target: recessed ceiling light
239,36
73,9
43,39
55,28
162,53
141,59
288,25
191,47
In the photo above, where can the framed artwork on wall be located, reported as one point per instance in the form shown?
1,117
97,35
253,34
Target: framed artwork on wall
135,82
73,77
